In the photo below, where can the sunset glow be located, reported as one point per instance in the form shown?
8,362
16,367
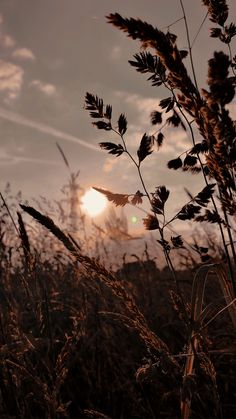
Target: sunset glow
93,202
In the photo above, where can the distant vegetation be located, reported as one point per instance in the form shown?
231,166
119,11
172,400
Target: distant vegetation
80,340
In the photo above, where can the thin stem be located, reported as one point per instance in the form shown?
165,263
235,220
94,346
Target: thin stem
163,225
143,184
125,148
176,215
168,260
173,23
189,44
9,213
206,181
212,199
230,235
218,313
161,128
199,30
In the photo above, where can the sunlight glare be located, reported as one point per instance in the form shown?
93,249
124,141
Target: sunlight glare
93,202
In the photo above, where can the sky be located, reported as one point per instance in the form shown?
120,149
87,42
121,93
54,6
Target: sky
51,54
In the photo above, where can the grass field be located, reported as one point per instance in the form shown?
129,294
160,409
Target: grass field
82,338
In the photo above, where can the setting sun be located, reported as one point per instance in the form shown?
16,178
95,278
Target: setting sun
93,202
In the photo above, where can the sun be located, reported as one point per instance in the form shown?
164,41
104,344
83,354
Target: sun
93,202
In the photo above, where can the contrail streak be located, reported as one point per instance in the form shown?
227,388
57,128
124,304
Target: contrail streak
9,159
21,120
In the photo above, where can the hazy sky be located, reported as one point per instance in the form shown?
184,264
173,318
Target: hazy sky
52,53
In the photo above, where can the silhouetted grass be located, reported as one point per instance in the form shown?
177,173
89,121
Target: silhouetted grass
80,340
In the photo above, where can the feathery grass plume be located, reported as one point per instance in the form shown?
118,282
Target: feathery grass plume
207,120
151,222
159,139
175,163
218,129
156,117
23,234
214,156
145,147
165,47
121,199
137,198
190,161
115,149
218,10
51,226
159,199
117,198
177,241
98,110
96,269
145,62
122,124
175,120
221,86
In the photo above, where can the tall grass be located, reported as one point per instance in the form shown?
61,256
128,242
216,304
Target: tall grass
213,157
79,340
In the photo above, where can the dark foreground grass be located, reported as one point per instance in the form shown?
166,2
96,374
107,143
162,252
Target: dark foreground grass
73,345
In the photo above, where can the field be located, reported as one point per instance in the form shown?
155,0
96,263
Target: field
82,337
83,342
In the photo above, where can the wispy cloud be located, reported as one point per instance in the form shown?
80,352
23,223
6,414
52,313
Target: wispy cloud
11,79
7,41
24,54
21,120
143,105
109,164
7,159
46,88
140,108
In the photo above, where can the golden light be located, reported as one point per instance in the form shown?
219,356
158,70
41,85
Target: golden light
93,202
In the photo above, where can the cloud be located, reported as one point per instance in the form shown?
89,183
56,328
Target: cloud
46,88
143,104
9,159
11,79
21,120
176,140
5,40
109,164
23,53
140,106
